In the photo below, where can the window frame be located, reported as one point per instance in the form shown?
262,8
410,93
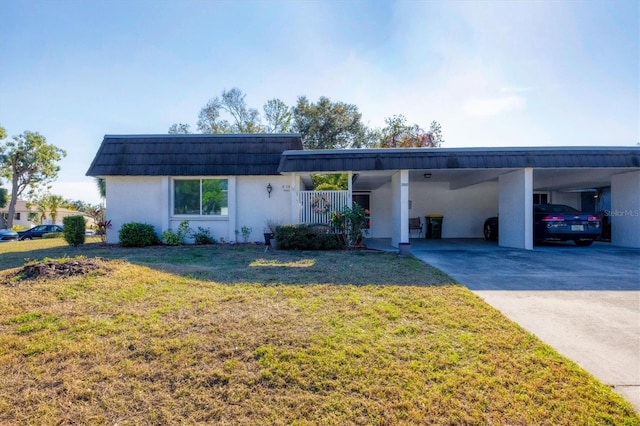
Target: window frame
200,179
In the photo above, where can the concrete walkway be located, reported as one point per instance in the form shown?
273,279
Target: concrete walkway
582,301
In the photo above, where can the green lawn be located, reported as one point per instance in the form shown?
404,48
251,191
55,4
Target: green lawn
233,335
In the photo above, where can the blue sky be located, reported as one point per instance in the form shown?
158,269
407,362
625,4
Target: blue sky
560,73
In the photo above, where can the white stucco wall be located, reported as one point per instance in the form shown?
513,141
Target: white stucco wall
134,199
149,200
571,199
625,210
515,209
254,206
381,212
464,209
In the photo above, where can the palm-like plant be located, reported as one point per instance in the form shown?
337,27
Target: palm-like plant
102,187
54,202
41,206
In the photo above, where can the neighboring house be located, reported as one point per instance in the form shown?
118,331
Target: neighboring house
25,213
22,214
62,213
225,182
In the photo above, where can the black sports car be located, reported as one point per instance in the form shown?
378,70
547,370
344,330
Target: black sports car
38,231
556,222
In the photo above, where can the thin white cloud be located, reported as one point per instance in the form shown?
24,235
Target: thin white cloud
487,107
515,89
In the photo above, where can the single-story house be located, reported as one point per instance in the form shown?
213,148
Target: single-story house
28,217
226,182
22,214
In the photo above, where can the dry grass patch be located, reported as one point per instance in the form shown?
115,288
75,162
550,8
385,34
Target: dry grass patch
140,345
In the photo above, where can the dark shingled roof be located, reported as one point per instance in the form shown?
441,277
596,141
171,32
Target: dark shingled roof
192,155
458,158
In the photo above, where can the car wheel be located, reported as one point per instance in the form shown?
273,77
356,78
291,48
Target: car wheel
583,243
488,232
26,238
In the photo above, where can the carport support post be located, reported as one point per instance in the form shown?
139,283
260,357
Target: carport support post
400,208
625,210
515,209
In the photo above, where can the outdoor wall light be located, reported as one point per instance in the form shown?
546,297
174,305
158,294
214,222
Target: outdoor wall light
269,189
427,175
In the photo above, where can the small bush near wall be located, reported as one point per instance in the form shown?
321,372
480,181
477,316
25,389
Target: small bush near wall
306,237
74,230
203,236
135,234
171,238
50,235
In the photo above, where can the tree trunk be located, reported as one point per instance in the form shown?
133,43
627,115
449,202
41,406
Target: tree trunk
12,203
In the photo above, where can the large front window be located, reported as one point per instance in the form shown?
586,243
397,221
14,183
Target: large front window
206,197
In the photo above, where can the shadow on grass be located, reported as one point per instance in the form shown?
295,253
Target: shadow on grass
230,264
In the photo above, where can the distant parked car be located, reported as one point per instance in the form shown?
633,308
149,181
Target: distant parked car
556,222
38,231
8,235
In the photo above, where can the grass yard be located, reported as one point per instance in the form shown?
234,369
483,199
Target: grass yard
233,335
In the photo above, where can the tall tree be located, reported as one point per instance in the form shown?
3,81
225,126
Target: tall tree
329,125
247,120
179,128
232,102
436,131
3,191
278,116
28,162
209,120
398,134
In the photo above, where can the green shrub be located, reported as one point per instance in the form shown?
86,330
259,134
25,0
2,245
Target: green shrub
50,235
134,234
306,237
203,236
171,238
350,225
327,187
74,229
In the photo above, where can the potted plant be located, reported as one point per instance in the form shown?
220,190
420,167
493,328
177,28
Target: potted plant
270,232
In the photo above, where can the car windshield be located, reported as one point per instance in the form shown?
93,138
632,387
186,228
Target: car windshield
555,208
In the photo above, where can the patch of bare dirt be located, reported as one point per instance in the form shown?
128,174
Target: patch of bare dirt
59,268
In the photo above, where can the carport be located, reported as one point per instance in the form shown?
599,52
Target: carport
467,185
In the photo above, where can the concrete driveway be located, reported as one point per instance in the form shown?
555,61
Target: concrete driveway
583,301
